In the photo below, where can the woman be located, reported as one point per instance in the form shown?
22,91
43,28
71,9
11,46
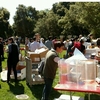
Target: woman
13,58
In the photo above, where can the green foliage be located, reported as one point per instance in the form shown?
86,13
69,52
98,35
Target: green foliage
48,25
88,15
64,18
25,20
5,28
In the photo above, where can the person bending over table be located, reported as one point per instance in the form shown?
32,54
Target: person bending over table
50,67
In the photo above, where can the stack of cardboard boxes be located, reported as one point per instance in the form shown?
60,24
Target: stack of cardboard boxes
32,61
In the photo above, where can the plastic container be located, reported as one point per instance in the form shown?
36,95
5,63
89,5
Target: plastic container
64,70
87,69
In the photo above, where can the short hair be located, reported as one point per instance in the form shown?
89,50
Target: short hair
34,38
81,40
11,39
50,37
37,34
58,44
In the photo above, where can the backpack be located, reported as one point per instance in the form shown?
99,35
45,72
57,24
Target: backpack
40,67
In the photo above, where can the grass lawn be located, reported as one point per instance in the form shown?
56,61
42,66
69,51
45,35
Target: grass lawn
8,92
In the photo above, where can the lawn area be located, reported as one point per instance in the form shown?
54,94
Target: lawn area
9,91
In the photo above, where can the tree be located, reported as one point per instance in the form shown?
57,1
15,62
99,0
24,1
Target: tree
61,7
88,14
4,23
48,25
24,20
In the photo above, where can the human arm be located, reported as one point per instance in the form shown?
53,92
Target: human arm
56,59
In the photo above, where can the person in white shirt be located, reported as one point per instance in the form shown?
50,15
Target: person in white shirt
34,45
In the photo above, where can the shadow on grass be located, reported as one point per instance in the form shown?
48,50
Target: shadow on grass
16,88
92,97
37,92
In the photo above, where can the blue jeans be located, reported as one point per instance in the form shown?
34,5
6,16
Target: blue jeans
47,88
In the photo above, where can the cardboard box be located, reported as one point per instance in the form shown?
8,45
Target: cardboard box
43,54
21,74
38,55
35,57
21,65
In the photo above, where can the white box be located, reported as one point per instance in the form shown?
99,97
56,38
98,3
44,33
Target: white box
20,75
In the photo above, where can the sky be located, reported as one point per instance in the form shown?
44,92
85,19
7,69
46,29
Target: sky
11,5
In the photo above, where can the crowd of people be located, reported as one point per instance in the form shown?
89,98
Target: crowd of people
55,47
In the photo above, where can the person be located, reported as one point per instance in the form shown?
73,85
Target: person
69,50
97,57
89,38
13,58
77,44
42,45
28,44
80,36
37,35
49,43
34,45
1,54
17,42
50,67
83,49
98,43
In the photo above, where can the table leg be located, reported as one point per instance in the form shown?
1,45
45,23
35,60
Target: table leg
70,95
88,96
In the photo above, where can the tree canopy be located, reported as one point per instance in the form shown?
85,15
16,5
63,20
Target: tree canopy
64,18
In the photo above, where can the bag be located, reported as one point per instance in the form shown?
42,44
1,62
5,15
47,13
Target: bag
40,67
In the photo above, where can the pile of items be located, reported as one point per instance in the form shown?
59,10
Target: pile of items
77,69
21,70
33,60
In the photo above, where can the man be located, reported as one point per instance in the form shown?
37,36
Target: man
17,42
1,53
13,58
34,45
49,43
50,67
37,35
83,49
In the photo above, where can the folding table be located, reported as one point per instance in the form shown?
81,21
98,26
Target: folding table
87,87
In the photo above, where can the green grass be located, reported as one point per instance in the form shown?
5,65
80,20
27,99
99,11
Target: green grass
8,92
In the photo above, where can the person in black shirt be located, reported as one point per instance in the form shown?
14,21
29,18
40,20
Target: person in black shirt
83,49
13,58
